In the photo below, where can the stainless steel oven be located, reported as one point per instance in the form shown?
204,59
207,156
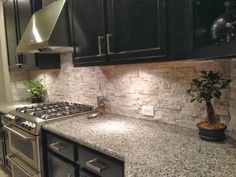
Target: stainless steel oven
23,145
20,169
23,127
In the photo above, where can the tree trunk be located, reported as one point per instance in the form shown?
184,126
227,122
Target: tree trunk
211,113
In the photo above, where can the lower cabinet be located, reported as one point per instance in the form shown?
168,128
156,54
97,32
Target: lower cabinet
86,162
59,168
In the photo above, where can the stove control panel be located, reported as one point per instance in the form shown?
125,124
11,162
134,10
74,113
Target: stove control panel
20,122
10,117
28,125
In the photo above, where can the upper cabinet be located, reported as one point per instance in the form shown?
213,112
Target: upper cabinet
118,31
136,29
211,28
89,32
17,14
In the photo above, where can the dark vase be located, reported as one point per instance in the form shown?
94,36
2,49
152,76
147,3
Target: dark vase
36,99
209,134
224,27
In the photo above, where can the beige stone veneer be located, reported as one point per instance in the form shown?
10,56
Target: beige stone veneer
129,87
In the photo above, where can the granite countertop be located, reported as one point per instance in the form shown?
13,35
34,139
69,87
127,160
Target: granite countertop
6,107
151,149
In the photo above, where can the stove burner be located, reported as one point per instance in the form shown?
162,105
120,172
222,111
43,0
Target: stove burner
53,110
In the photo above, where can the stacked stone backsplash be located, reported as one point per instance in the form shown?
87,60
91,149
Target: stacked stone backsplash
233,97
128,88
19,79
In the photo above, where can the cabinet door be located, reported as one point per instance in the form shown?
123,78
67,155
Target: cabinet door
58,168
211,28
136,29
11,33
88,35
25,11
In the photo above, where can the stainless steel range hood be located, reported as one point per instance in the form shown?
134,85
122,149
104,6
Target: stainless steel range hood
47,31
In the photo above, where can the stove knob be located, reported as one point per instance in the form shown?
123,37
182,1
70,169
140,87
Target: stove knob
11,117
22,124
29,126
26,124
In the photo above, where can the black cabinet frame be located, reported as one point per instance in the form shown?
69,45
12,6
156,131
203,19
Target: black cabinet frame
75,164
110,53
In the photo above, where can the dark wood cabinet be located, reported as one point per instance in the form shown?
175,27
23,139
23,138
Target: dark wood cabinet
119,31
89,33
136,29
211,28
63,157
11,34
17,14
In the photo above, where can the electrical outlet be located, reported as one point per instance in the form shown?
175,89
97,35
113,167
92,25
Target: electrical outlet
148,110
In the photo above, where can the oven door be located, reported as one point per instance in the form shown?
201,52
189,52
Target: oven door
24,145
20,168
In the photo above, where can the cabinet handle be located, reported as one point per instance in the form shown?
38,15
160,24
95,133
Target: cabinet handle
109,43
17,60
57,146
95,165
100,45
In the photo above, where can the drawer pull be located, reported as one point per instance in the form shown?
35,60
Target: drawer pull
96,165
58,146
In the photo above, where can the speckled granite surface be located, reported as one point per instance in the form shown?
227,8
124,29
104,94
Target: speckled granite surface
151,149
6,107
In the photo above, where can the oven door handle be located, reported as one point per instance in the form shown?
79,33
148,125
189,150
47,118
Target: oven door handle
18,166
18,134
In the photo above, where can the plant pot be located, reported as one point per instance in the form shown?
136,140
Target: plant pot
36,99
212,133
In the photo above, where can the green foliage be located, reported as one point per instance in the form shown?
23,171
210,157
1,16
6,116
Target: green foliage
35,88
208,87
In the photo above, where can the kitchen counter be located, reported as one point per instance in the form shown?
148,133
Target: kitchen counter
6,107
151,149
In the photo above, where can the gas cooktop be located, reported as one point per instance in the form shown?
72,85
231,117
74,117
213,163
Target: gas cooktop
53,110
31,118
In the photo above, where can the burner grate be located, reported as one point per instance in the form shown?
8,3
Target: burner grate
53,110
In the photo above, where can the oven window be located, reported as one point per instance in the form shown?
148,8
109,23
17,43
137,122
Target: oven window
24,147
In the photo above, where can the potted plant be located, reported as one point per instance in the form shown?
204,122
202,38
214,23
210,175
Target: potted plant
205,89
36,90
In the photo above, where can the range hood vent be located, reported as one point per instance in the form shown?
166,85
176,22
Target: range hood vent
47,31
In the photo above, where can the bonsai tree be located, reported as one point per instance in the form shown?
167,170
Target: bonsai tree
36,90
207,88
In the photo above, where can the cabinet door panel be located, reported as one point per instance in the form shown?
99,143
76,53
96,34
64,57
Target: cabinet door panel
59,168
11,33
24,14
136,27
89,30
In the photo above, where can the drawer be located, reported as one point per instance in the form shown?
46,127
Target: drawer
99,163
59,168
61,146
85,173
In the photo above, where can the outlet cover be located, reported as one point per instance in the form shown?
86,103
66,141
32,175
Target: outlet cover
148,110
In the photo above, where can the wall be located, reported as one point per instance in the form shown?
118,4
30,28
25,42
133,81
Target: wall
128,88
5,86
2,81
19,79
233,97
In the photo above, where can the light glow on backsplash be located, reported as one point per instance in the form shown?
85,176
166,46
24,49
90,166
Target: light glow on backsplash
128,88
